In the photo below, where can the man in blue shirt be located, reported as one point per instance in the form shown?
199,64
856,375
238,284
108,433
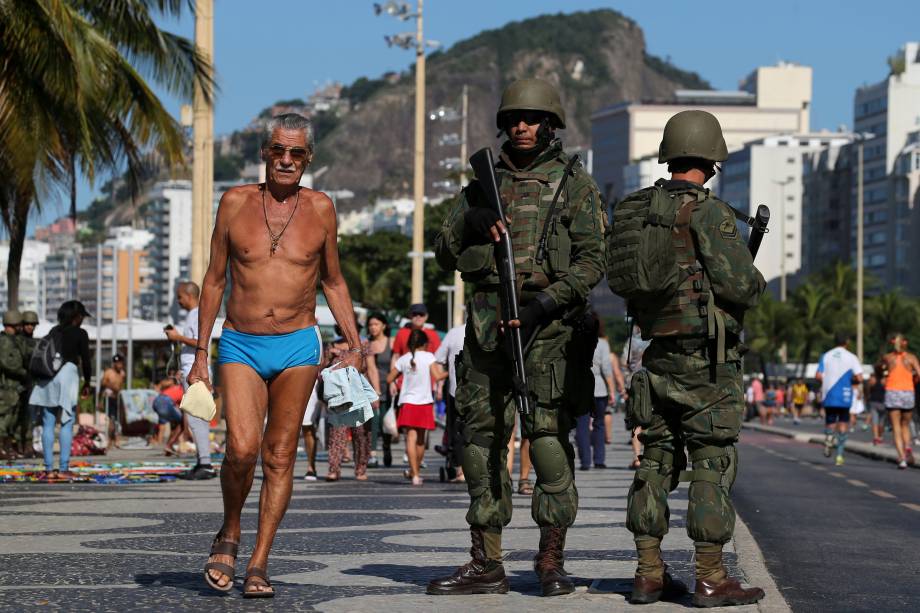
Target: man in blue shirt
838,371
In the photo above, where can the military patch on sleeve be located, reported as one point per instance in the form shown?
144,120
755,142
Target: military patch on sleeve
728,229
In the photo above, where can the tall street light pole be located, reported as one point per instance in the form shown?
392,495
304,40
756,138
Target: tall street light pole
418,219
459,298
417,41
203,146
860,268
783,350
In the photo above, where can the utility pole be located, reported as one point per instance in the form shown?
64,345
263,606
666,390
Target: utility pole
859,247
203,146
459,298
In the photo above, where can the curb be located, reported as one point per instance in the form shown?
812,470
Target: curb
863,449
751,560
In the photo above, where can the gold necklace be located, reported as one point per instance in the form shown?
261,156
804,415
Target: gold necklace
276,238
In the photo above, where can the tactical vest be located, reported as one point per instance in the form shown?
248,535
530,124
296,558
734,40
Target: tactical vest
689,310
527,196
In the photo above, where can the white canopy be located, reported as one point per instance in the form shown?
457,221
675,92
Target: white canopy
144,330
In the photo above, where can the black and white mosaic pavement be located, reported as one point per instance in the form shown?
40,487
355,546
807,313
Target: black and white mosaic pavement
345,546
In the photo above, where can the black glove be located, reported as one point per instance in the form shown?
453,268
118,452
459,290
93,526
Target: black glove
532,315
477,222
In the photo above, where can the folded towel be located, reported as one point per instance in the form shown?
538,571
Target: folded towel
348,395
199,402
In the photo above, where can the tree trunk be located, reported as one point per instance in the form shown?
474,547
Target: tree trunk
18,222
806,354
73,189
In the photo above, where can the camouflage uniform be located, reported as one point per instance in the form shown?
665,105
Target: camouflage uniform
12,376
26,418
574,263
689,398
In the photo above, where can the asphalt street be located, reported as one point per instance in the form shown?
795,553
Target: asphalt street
834,538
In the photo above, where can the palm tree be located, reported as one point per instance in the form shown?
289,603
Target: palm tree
768,326
810,302
887,314
73,98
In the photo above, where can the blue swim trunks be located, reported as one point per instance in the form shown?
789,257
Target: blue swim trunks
270,354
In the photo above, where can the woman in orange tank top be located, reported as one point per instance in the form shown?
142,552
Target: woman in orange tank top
903,372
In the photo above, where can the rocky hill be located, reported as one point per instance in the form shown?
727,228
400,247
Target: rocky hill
596,58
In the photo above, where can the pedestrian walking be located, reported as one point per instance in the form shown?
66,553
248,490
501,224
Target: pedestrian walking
799,398
591,428
187,295
57,397
676,255
339,436
554,284
277,253
113,382
902,372
838,371
633,350
379,347
446,355
418,369
877,410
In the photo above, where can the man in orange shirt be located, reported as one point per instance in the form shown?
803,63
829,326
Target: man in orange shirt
903,372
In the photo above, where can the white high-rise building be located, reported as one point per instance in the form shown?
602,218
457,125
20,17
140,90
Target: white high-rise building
771,100
170,221
890,111
34,254
770,171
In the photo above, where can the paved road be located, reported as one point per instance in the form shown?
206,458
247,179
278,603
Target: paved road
346,546
813,425
834,538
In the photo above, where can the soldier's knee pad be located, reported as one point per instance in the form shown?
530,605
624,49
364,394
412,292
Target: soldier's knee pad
551,464
476,469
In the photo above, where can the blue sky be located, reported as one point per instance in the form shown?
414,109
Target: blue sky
273,49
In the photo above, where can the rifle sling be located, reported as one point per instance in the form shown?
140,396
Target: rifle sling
541,249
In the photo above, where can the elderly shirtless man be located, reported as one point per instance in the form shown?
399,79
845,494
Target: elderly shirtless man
278,239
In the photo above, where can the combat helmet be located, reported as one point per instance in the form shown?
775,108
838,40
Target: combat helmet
531,95
692,134
30,317
12,317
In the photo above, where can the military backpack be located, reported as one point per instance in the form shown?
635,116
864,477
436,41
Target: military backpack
653,263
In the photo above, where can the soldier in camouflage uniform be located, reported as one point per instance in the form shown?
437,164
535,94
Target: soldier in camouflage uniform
25,418
694,368
12,377
554,287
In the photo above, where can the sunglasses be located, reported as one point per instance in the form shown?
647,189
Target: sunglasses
298,154
531,118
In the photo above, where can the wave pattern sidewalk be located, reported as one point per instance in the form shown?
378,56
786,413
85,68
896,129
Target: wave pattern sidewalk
346,546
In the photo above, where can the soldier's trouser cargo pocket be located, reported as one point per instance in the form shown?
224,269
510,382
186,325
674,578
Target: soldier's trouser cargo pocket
639,403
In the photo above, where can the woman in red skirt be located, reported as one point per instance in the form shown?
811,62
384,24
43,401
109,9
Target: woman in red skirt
416,404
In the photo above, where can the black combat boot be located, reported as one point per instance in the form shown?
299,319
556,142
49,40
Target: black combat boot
480,575
554,581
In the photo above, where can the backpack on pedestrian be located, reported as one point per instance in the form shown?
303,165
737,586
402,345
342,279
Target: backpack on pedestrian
46,359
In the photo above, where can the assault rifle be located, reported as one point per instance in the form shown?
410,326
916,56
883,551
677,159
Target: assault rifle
758,225
484,168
